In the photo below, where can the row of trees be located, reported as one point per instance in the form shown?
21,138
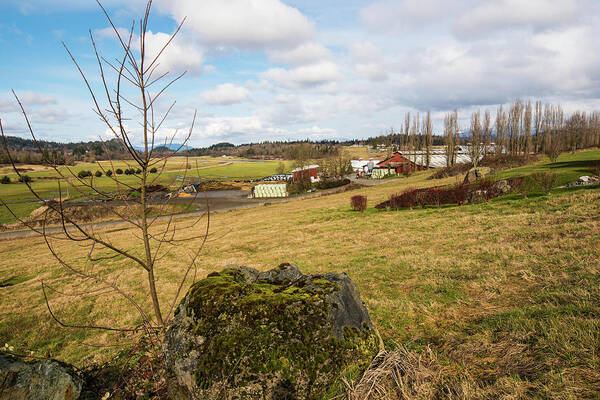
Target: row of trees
527,128
523,128
415,135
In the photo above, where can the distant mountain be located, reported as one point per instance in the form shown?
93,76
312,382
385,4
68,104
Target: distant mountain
170,147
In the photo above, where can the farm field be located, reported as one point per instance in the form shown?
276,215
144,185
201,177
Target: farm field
496,300
45,183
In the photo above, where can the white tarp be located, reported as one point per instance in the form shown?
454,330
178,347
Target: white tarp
380,173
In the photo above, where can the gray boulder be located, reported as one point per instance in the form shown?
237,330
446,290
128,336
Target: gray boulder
40,380
476,174
279,334
503,186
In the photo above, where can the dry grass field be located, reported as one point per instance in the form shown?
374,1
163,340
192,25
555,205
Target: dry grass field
490,300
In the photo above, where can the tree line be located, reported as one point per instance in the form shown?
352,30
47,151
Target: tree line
523,129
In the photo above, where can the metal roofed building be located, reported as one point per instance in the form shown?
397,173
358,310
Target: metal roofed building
417,160
306,172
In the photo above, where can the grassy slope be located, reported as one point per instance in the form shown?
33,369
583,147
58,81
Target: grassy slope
505,293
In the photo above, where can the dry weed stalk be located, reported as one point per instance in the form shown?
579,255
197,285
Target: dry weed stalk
399,374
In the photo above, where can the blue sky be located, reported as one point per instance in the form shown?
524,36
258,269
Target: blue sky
284,70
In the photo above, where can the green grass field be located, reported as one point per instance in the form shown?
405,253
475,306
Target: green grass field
494,300
200,168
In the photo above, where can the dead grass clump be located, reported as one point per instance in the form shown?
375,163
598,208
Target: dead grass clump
506,161
408,375
399,374
454,170
358,203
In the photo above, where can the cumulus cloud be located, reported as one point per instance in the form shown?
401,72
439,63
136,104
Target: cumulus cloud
306,75
400,16
28,98
368,61
537,15
305,53
243,23
182,54
225,94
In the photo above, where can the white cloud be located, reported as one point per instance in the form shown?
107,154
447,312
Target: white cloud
226,93
538,15
368,61
242,23
316,132
306,75
28,98
182,54
305,53
400,16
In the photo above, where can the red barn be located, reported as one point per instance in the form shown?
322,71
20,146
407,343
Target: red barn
398,163
306,173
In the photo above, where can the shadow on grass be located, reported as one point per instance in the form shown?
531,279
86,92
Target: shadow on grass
578,164
13,280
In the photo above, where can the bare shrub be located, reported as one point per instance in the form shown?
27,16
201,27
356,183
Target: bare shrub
453,170
358,203
526,186
545,180
596,168
506,161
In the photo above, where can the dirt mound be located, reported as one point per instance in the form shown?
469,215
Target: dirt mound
222,185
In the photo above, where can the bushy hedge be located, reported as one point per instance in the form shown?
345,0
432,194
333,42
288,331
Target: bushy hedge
496,162
482,190
332,183
84,174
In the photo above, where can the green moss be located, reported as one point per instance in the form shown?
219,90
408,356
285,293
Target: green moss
263,332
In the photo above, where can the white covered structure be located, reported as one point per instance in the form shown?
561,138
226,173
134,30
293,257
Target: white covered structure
270,190
363,165
436,159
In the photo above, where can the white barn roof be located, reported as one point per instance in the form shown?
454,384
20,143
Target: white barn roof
312,166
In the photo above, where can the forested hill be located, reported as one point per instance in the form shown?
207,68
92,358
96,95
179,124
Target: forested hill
271,150
27,151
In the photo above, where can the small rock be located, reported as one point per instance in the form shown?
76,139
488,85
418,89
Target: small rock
40,380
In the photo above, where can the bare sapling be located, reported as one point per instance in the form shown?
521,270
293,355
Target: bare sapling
127,104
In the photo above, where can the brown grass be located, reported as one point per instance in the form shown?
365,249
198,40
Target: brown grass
484,301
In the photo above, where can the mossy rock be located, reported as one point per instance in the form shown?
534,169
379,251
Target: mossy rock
245,334
41,380
475,174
